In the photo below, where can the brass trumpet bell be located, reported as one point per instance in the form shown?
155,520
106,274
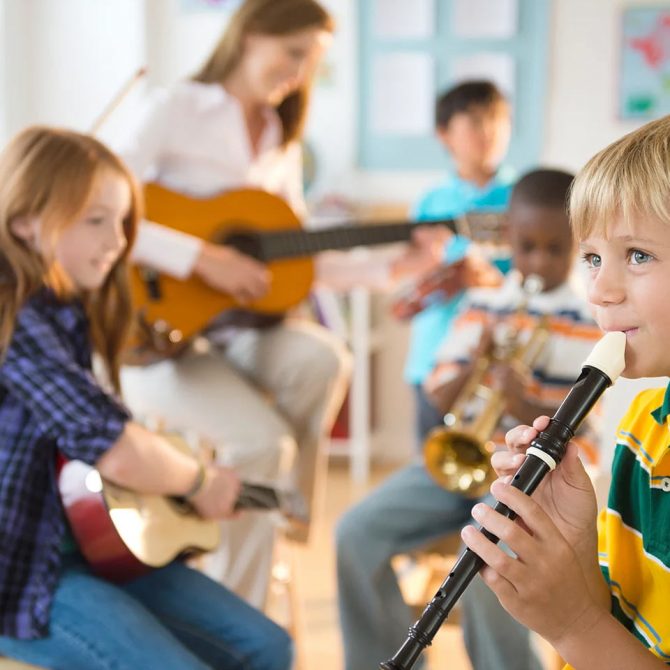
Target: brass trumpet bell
459,462
458,454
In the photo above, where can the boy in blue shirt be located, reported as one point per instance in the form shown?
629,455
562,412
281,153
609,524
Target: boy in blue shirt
473,124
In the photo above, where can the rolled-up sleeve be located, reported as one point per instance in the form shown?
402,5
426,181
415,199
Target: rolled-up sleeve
63,397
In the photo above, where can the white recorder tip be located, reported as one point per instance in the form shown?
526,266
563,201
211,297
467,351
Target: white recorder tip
609,354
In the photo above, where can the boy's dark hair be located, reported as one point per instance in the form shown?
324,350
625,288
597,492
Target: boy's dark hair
475,93
543,187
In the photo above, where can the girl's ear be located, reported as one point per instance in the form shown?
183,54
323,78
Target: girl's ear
25,228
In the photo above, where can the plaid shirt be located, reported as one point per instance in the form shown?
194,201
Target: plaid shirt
49,401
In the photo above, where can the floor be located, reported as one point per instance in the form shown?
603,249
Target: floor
315,592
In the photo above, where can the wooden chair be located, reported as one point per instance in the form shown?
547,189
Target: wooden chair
431,565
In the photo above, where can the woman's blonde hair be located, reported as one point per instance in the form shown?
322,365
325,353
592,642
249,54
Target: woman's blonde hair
49,174
267,17
629,177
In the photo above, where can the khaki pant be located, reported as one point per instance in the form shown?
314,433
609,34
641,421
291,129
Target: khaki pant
266,402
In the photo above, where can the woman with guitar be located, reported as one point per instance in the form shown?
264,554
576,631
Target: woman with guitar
67,221
262,395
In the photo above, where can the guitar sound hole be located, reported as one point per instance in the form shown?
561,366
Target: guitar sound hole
247,243
180,506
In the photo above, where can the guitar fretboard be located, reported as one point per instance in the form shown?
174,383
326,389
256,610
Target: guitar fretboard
293,244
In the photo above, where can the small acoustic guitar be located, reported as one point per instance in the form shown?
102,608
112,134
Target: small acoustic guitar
124,534
263,226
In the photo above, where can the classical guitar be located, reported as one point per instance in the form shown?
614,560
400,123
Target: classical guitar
124,534
263,226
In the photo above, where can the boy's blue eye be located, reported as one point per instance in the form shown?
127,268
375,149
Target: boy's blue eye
592,260
638,257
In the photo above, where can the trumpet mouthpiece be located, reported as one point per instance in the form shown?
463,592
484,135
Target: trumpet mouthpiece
533,284
608,355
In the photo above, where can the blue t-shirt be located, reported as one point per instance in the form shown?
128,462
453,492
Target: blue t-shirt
453,198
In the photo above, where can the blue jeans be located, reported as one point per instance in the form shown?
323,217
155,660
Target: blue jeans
174,618
408,510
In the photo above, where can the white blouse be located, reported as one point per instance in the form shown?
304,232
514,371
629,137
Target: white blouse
193,139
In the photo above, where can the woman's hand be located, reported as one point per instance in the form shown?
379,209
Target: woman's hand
227,270
217,497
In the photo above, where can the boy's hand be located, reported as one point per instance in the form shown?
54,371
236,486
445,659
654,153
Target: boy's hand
485,345
566,494
551,584
424,254
432,239
513,380
544,585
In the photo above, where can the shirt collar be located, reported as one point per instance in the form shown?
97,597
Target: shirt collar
503,177
70,314
661,413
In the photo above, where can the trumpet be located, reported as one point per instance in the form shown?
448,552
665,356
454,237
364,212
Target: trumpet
458,454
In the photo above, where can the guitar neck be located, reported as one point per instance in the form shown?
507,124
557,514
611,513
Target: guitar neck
296,243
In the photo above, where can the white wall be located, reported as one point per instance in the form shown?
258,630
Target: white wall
61,61
581,109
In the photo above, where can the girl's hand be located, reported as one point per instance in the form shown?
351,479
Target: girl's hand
227,270
544,587
218,495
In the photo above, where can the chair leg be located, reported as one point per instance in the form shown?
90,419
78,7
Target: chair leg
284,580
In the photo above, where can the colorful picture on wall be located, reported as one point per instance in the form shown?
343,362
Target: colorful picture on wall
645,63
200,5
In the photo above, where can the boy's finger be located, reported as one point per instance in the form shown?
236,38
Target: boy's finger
512,534
535,518
518,438
506,462
541,423
503,564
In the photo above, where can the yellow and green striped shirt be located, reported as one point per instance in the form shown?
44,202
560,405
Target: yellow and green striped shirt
634,529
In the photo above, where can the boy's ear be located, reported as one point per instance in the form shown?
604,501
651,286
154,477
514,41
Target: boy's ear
444,136
25,228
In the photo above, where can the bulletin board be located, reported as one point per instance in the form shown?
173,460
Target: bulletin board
411,51
644,84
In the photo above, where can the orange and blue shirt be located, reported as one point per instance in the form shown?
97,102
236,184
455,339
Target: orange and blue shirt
572,333
49,402
451,199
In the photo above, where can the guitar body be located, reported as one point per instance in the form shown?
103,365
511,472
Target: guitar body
261,225
123,534
238,218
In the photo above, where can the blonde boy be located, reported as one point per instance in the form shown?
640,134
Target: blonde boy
602,598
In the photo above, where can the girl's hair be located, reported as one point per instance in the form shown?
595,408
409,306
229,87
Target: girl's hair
50,174
629,177
268,17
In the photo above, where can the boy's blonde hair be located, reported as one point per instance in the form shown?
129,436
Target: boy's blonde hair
267,17
49,174
629,177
